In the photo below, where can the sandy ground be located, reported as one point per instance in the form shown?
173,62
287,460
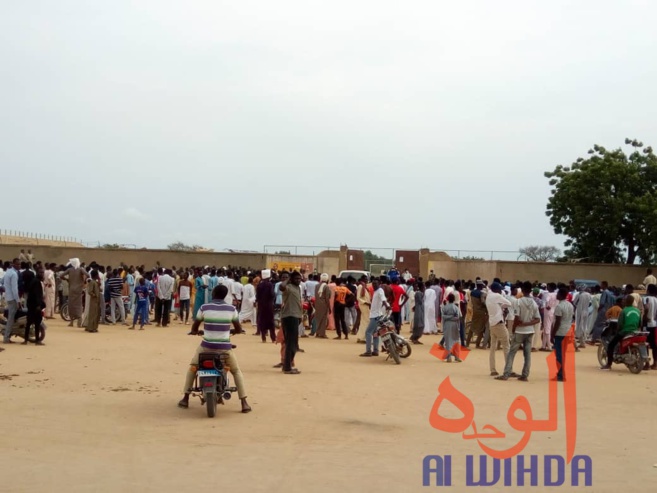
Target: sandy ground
97,412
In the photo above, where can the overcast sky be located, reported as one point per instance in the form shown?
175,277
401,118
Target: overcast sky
371,123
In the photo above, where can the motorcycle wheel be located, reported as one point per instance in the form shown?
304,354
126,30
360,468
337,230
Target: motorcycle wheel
63,312
211,404
404,350
637,361
602,354
392,351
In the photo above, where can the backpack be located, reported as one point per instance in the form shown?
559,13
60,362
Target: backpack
350,300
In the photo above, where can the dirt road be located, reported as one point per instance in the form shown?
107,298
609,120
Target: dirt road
97,412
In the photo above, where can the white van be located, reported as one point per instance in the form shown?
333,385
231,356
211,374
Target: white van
356,274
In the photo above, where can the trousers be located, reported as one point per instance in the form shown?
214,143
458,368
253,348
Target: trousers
498,333
114,302
291,334
12,307
34,318
526,341
141,311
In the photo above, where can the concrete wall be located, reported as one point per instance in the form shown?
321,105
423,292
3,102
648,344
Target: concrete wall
328,262
615,274
149,258
448,268
333,261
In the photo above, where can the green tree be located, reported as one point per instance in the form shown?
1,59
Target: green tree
179,246
538,253
606,205
372,257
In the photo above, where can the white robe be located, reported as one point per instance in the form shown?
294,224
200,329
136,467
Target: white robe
248,300
206,282
430,312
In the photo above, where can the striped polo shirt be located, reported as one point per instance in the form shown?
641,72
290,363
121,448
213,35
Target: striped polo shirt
217,317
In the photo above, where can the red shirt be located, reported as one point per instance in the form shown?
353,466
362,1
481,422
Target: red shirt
397,292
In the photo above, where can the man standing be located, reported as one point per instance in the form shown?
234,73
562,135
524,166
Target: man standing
563,319
650,321
582,302
265,298
495,305
130,281
527,317
479,315
364,303
115,285
399,299
649,279
607,300
311,289
165,286
49,285
10,283
322,307
184,297
77,281
379,301
35,304
291,315
339,306
351,313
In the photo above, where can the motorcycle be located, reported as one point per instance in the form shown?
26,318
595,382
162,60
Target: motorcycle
211,384
632,350
392,343
18,329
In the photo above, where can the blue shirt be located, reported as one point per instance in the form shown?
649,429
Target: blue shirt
10,283
142,294
278,293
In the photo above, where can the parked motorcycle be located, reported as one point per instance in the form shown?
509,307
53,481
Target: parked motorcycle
632,350
18,329
392,343
212,385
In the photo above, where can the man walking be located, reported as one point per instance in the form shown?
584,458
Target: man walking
10,284
291,315
495,304
524,326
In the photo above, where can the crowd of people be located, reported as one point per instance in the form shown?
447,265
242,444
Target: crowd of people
283,306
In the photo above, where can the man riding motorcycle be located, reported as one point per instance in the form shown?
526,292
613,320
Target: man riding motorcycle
217,317
629,322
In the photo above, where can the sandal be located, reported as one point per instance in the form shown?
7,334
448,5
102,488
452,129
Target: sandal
523,379
183,404
366,355
502,377
293,371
